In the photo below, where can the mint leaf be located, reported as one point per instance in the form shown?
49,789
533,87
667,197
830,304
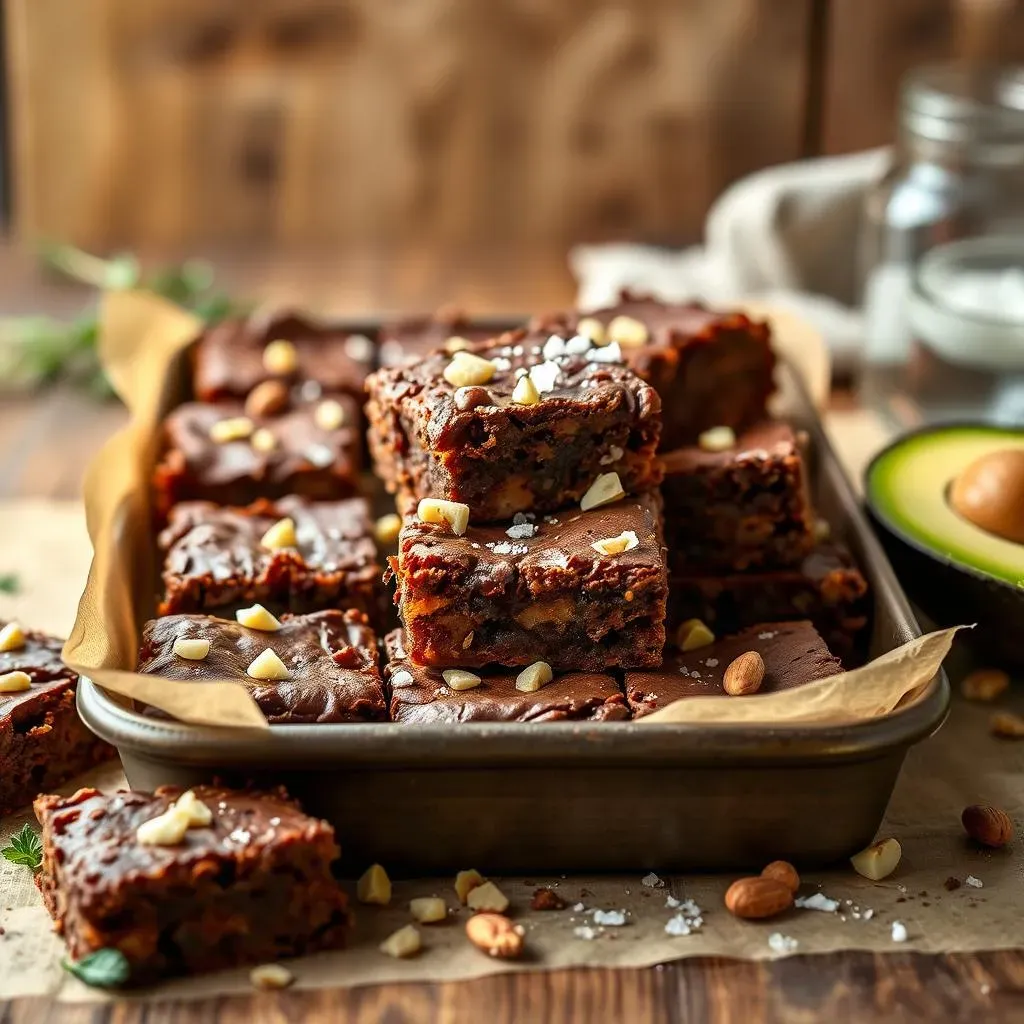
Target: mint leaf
24,848
106,968
9,583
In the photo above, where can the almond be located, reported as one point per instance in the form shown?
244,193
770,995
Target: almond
987,825
984,684
879,860
266,399
495,935
744,675
754,898
784,872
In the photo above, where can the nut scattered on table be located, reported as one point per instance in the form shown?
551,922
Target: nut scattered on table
495,935
627,331
428,909
592,328
525,392
280,535
268,398
717,439
460,679
329,415
1008,726
987,825
456,344
487,897
403,943
534,676
268,977
603,491
387,529
626,541
374,886
280,357
984,684
263,440
268,666
438,510
466,881
546,899
15,682
784,872
756,898
257,617
467,369
234,428
191,648
12,637
744,675
693,634
879,860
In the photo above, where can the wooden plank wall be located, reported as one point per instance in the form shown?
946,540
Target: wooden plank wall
265,123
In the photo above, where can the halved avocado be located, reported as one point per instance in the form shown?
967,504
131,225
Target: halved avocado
956,571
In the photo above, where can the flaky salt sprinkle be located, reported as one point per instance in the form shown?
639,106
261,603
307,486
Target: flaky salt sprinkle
521,531
671,902
610,918
652,881
503,547
585,932
578,907
899,931
779,943
974,883
818,901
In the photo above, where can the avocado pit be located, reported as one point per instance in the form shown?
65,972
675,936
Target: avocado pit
990,494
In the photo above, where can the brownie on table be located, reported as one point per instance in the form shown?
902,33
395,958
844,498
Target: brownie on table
330,657
289,453
536,590
251,886
743,507
826,588
793,654
215,558
228,359
414,337
710,368
476,445
419,695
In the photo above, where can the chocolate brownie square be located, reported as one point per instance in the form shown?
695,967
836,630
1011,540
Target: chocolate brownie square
322,666
420,695
793,654
410,339
583,591
738,507
43,742
248,881
217,558
217,453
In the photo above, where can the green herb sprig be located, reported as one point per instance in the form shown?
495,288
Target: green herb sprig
24,848
9,583
106,968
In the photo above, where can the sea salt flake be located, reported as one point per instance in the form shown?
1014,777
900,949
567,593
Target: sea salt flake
780,943
678,925
974,883
501,364
545,376
652,881
819,901
609,354
320,455
553,347
240,835
711,663
503,547
521,531
672,903
868,914
402,678
584,932
899,931
766,636
578,345
578,907
611,918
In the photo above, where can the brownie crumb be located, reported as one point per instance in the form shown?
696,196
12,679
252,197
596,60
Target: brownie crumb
546,899
952,883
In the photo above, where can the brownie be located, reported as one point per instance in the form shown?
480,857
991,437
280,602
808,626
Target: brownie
228,357
331,657
412,338
474,445
214,558
710,368
793,653
43,742
253,886
419,695
535,590
307,459
826,588
744,507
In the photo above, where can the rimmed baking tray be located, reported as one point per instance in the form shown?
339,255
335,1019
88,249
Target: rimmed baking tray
511,797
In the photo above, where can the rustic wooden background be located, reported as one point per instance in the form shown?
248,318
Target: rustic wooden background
188,123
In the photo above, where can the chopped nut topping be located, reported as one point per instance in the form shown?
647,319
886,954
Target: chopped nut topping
532,678
1007,725
280,358
460,679
263,440
268,666
495,935
428,909
235,428
15,682
455,344
982,684
626,541
466,882
12,637
604,490
329,414
270,976
280,535
387,529
257,617
167,829
191,648
593,329
627,331
525,392
437,510
879,860
717,439
198,814
693,634
467,369
374,886
403,943
487,897
268,398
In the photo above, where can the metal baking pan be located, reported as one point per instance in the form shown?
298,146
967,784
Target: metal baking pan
511,797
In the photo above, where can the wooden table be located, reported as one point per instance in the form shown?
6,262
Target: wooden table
45,441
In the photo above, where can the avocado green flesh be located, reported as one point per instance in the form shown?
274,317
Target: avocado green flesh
908,484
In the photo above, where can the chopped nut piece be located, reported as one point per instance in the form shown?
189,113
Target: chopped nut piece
467,369
437,510
627,331
744,675
495,935
387,528
280,535
403,943
197,813
693,634
467,640
879,860
455,344
374,886
191,648
257,617
984,684
717,439
270,976
235,428
280,358
329,415
268,398
546,899
525,392
487,897
1007,725
987,825
428,909
604,490
15,682
167,829
12,637
460,679
268,666
626,541
466,882
263,440
534,676
593,329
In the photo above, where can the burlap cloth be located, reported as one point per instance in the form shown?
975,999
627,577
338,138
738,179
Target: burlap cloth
963,764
